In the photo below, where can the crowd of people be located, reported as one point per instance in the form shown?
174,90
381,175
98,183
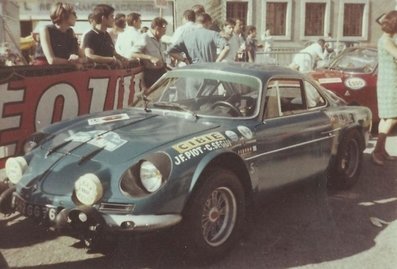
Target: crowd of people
119,40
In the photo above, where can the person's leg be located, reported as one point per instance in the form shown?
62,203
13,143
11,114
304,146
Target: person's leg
379,155
386,128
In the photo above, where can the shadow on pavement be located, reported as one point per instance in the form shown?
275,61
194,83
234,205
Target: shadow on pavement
17,231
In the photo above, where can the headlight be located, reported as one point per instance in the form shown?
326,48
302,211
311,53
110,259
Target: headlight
150,176
15,167
88,189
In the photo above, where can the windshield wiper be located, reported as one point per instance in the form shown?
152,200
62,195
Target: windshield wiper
55,148
174,106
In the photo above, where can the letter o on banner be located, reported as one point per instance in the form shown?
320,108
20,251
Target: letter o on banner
45,107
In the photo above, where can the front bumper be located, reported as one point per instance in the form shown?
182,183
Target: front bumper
140,223
83,220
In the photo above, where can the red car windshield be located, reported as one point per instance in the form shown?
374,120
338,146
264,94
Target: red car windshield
356,60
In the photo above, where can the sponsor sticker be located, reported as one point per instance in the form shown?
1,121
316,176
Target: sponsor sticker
245,131
232,135
110,141
329,80
201,149
198,141
107,119
355,83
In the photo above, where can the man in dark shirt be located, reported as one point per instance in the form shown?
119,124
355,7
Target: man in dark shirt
98,45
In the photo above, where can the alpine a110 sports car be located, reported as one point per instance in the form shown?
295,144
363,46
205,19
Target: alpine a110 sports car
353,75
191,152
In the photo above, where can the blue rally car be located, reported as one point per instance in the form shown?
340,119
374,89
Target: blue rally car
191,151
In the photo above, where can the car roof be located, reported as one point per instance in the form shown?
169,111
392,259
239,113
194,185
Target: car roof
261,71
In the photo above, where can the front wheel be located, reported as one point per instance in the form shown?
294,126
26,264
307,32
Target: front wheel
345,169
214,216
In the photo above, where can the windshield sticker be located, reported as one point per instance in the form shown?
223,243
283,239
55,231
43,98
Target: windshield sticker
245,131
107,119
232,135
110,141
198,141
201,149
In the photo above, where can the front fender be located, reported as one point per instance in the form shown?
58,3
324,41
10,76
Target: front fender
220,158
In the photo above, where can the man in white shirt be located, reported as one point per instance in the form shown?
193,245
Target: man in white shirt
305,60
130,36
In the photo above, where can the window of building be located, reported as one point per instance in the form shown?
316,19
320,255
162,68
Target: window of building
353,20
237,9
316,17
277,18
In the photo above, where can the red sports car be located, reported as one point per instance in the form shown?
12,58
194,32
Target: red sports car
352,75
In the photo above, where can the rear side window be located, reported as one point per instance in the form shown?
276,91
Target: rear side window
291,96
284,97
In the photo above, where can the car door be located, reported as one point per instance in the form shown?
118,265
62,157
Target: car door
294,139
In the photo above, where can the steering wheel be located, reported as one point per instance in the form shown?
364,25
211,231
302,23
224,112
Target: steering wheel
234,109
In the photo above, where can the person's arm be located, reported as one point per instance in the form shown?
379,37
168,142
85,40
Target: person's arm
45,42
179,52
222,44
250,56
391,47
138,51
89,53
222,55
321,53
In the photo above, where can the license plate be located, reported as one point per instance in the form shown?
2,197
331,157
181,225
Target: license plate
35,211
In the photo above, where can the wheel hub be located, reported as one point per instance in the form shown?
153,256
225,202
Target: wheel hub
214,214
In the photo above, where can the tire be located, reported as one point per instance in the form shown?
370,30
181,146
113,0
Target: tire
345,168
6,201
214,217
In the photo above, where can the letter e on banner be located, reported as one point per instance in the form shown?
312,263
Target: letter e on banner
69,108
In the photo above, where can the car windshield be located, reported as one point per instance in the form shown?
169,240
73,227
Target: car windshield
205,93
356,60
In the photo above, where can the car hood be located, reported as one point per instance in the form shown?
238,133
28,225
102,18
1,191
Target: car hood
103,145
119,137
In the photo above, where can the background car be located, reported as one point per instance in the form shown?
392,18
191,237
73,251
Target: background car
193,152
353,75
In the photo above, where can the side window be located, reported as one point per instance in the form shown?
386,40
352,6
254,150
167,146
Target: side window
272,100
313,97
291,92
284,97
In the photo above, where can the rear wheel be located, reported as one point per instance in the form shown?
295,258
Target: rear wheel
345,169
214,216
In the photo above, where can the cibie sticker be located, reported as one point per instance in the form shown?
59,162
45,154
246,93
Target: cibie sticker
107,119
232,135
245,131
198,141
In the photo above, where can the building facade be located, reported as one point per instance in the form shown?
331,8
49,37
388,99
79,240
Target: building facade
292,23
